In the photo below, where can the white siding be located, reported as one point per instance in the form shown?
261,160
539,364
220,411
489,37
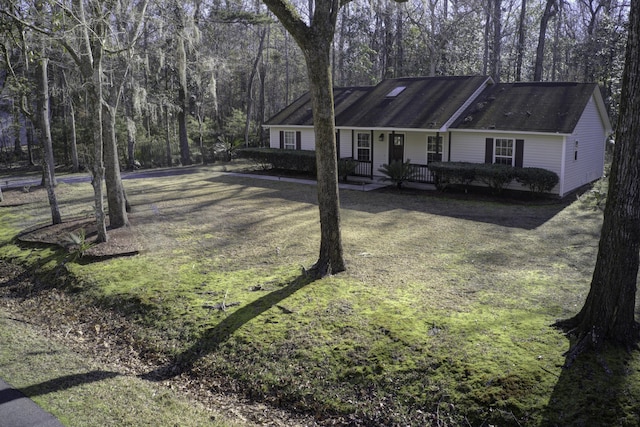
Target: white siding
415,148
380,152
274,137
539,151
346,143
307,137
308,140
590,134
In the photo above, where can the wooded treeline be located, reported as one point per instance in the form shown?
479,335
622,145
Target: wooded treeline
177,77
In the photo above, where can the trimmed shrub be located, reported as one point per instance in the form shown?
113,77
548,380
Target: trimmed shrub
398,172
496,176
290,160
346,166
447,173
538,180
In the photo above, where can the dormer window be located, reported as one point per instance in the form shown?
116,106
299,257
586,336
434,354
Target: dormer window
396,91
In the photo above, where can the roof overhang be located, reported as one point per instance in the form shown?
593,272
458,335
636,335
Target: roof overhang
602,110
506,131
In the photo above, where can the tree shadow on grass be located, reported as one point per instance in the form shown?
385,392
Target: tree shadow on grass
214,337
599,389
56,384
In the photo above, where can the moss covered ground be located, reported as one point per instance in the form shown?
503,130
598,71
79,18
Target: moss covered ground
442,318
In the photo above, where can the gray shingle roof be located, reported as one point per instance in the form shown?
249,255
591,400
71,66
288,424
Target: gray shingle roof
429,102
298,113
425,103
528,107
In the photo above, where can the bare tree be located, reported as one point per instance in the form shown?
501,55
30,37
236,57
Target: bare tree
41,118
44,124
522,24
608,312
550,10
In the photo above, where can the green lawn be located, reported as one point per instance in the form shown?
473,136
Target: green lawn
442,317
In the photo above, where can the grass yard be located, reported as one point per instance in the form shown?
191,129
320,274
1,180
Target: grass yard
441,319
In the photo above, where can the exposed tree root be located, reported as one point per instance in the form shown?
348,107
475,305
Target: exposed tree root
592,340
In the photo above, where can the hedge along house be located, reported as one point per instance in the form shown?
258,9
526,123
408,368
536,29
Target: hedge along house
561,127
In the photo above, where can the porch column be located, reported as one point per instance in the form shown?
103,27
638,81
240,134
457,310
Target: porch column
373,142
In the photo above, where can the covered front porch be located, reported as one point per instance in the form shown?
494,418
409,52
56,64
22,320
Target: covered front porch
372,148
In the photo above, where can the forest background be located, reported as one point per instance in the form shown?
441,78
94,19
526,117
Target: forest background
188,81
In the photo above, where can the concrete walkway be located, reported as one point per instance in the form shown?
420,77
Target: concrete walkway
17,410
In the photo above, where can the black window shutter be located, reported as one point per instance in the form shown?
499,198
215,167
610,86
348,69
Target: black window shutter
338,143
282,140
298,140
488,151
519,153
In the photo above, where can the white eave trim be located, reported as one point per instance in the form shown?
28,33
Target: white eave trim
515,131
288,126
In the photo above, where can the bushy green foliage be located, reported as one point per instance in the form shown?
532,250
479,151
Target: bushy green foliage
225,148
453,173
78,244
495,176
346,166
289,160
398,172
538,180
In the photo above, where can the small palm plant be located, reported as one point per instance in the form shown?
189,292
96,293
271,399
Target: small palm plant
398,172
78,244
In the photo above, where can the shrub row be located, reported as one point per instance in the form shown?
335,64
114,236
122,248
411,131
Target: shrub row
293,160
495,176
289,160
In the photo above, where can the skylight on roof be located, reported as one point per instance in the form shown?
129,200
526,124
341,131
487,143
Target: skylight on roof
395,92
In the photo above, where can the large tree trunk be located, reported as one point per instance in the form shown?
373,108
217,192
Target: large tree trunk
331,257
316,42
115,190
48,164
608,313
549,11
97,169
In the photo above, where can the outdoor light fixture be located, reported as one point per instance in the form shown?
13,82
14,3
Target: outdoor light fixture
381,137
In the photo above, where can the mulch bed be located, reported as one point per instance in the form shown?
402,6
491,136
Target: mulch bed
121,241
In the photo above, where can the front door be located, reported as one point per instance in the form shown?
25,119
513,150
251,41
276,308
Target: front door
396,147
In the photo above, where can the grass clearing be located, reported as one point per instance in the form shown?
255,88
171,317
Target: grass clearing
83,394
442,317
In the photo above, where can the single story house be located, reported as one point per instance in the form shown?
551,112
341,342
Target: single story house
562,127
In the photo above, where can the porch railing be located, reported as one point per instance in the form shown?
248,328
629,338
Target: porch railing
364,169
421,172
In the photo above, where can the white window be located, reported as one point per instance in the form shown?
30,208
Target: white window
503,153
364,147
434,149
289,140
